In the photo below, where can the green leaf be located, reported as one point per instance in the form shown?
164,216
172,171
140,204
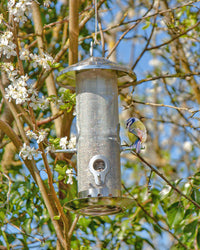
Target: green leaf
177,247
57,217
6,239
157,229
175,214
165,192
196,195
146,25
61,177
198,238
190,230
55,65
84,222
2,215
61,169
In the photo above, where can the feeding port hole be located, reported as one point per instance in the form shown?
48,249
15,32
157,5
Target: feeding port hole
99,165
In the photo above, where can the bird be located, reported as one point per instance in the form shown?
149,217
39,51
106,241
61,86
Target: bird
137,133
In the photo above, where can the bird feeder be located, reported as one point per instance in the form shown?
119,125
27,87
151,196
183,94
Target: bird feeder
98,141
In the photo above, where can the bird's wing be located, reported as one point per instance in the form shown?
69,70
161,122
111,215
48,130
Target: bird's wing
139,130
136,131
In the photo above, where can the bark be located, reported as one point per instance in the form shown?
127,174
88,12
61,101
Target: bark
181,62
51,88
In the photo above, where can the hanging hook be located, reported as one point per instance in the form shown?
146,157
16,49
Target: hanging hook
96,22
95,41
91,48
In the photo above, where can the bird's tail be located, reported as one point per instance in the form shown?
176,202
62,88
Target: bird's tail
137,146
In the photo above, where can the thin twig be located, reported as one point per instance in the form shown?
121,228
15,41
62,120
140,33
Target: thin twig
174,38
21,68
15,115
9,191
23,232
154,219
53,192
165,179
121,37
73,226
102,35
180,75
160,12
147,44
160,105
49,119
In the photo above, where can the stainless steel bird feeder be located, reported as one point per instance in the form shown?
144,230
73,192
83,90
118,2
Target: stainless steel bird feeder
98,141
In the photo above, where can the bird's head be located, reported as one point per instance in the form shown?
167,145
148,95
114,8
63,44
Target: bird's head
130,121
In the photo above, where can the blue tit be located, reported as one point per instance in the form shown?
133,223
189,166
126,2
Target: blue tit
137,133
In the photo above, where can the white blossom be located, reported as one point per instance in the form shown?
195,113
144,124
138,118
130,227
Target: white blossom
31,135
72,142
49,149
47,3
27,152
44,60
32,91
42,136
1,18
10,70
7,47
155,62
19,10
33,102
37,102
57,101
187,146
24,54
63,142
69,172
9,93
17,90
43,103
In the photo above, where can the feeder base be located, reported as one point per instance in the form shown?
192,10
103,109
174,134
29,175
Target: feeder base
99,206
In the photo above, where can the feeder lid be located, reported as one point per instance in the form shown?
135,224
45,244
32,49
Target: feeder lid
100,206
126,77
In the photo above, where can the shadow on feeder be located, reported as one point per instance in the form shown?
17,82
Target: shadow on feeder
98,143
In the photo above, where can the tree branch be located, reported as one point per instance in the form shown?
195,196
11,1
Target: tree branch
73,226
51,88
174,38
154,219
166,180
160,105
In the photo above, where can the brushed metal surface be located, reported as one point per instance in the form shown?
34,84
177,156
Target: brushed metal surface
98,128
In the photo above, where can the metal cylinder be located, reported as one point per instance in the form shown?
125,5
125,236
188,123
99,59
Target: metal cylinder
98,143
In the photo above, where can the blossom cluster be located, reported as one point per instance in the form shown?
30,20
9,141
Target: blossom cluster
21,92
43,60
65,144
19,10
39,102
7,47
40,137
24,54
18,89
69,172
28,152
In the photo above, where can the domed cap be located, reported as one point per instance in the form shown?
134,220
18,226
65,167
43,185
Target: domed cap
126,77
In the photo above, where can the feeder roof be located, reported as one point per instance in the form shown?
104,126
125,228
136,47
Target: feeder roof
126,77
